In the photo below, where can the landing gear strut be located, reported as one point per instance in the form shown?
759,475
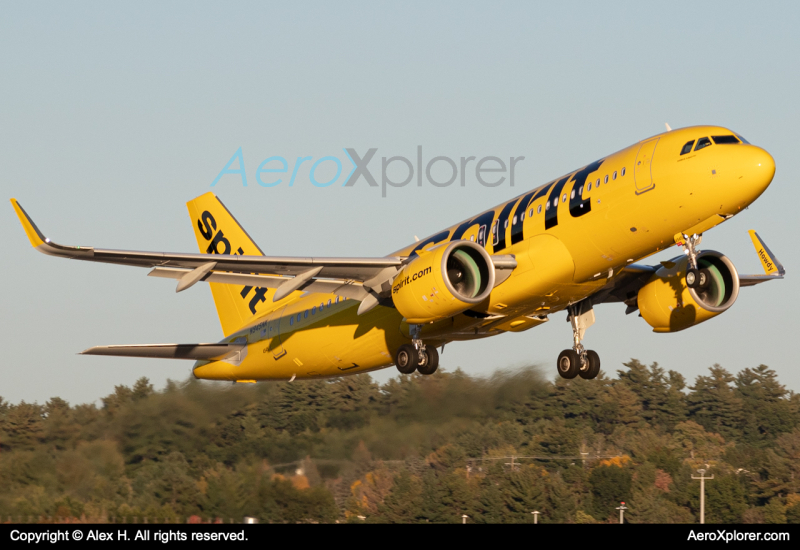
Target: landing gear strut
578,360
416,355
694,277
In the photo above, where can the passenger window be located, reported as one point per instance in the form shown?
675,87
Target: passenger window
313,310
724,139
530,213
597,183
515,219
605,180
623,171
687,148
614,176
702,143
495,238
572,195
321,307
505,225
305,314
291,320
539,210
298,317
547,206
564,198
590,186
337,299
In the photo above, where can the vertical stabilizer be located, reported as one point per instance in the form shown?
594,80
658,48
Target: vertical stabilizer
218,232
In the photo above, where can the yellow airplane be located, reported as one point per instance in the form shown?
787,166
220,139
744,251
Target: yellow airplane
566,245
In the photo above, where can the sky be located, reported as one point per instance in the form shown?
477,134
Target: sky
113,116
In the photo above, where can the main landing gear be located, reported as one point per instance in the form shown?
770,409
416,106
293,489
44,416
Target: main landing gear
416,356
578,360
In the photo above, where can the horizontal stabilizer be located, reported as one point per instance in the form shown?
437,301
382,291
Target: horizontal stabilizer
195,352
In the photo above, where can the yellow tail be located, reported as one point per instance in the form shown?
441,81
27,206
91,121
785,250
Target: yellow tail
218,232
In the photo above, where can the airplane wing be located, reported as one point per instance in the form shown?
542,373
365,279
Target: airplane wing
345,268
625,286
356,278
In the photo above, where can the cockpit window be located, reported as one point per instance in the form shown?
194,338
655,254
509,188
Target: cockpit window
702,142
687,148
742,139
724,139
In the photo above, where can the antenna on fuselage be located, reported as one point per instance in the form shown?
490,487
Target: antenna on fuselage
668,128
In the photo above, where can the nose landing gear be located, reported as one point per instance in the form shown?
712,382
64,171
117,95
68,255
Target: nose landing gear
579,361
416,356
694,277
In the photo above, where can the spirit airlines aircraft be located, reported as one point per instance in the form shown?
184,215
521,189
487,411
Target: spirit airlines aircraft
567,245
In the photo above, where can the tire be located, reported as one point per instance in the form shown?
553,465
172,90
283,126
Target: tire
430,362
704,279
569,364
594,366
692,278
406,359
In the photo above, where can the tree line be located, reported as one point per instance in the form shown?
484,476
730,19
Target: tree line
416,449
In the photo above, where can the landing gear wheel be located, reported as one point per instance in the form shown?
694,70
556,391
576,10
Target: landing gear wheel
429,362
406,359
569,364
704,279
692,278
593,367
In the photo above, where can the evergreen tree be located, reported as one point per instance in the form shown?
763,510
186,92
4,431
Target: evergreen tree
714,405
766,413
661,395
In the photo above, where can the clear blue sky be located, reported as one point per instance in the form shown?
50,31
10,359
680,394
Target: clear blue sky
113,115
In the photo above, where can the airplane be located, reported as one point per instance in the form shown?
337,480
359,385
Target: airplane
569,244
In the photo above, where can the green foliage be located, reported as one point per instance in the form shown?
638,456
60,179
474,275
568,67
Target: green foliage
610,486
415,450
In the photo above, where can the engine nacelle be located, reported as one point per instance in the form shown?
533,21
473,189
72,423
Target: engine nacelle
443,281
668,305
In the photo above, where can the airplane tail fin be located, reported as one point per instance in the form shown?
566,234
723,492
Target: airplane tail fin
218,232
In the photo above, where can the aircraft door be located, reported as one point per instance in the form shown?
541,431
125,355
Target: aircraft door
642,170
274,332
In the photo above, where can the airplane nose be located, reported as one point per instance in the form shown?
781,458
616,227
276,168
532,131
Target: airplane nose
762,166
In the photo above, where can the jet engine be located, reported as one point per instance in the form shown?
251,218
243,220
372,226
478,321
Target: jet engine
443,281
669,305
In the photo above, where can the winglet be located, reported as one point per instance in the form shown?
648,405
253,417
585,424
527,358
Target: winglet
769,262
34,235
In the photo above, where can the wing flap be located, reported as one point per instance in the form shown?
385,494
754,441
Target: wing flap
346,288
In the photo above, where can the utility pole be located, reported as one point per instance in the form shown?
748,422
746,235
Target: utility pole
621,509
535,517
702,479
